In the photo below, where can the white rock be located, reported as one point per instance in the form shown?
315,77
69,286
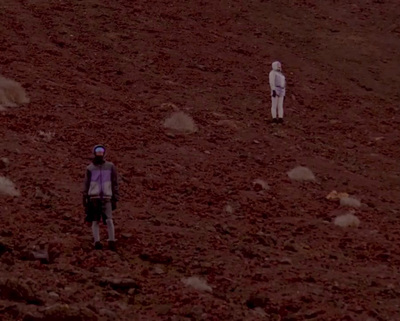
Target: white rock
197,283
46,136
158,270
11,93
229,209
260,312
7,187
40,254
347,220
350,202
180,121
108,313
301,173
53,295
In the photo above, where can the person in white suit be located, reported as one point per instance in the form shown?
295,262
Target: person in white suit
277,83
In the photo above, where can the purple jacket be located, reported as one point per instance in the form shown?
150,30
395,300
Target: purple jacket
101,181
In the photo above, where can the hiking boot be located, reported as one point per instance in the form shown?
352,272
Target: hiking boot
280,120
274,121
111,246
98,246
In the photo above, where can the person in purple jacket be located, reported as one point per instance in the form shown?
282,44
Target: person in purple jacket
100,195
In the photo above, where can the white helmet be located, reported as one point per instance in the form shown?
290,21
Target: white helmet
276,65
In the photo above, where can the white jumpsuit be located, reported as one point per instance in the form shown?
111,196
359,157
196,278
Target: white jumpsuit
277,82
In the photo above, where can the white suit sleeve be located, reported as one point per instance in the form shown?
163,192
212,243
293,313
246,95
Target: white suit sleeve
272,80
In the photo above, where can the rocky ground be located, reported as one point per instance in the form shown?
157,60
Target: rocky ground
198,238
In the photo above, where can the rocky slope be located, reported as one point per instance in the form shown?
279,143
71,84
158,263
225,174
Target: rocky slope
197,239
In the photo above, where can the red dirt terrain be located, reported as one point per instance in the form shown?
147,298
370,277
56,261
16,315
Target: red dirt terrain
112,71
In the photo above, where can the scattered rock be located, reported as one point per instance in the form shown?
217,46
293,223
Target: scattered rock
265,239
7,187
313,314
108,313
195,312
6,233
223,228
286,260
231,124
163,309
158,270
65,312
40,194
350,202
170,135
259,185
4,247
9,311
67,216
126,235
169,107
4,162
258,300
181,122
197,283
218,115
260,312
334,195
41,254
12,94
53,295
229,209
114,294
7,258
347,220
46,136
290,246
249,252
301,173
156,258
122,284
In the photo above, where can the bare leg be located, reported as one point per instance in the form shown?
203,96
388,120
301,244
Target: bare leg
96,231
109,221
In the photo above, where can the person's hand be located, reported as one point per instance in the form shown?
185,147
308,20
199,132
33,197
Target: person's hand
86,222
273,93
85,201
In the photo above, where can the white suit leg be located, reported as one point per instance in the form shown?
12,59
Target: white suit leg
280,106
274,106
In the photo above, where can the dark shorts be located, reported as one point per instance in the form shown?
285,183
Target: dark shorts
99,209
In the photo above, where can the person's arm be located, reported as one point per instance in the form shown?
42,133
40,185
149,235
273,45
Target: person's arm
272,80
114,183
272,83
86,185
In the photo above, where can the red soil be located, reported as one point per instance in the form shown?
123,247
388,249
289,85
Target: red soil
108,72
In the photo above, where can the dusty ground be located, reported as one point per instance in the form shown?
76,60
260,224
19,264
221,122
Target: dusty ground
112,71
